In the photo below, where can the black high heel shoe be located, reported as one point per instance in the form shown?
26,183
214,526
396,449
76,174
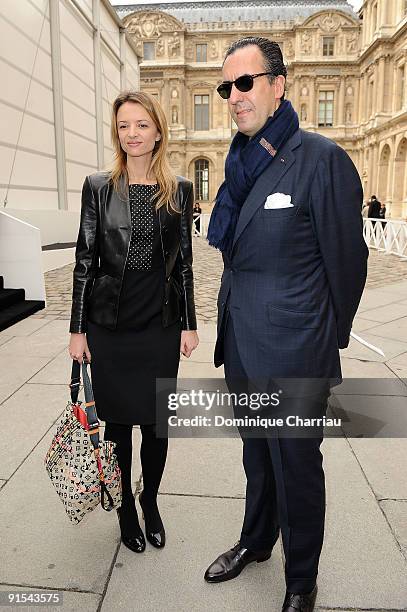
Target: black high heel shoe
134,541
155,534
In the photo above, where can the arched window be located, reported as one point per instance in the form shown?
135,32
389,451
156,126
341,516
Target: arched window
202,179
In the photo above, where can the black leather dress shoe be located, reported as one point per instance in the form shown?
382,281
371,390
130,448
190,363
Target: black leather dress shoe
230,564
134,541
155,532
300,602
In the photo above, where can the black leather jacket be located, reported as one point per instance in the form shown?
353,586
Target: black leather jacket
102,250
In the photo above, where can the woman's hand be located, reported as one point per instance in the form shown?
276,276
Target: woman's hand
189,342
78,345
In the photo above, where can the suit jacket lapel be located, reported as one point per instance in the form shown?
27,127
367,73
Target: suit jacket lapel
266,183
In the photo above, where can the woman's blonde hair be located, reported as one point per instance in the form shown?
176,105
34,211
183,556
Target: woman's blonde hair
167,182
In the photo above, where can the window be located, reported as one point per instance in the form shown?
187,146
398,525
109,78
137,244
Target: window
326,108
328,43
400,86
201,105
202,179
149,50
201,52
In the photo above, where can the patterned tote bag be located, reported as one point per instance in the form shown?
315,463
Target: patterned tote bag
82,468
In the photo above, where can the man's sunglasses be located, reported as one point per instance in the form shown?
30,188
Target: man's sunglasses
243,83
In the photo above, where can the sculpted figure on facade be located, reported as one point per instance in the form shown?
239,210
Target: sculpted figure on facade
351,43
289,49
160,47
174,45
306,43
330,22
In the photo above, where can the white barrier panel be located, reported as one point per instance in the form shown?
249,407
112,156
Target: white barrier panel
200,224
21,257
389,236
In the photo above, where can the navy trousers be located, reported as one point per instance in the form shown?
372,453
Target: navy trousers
285,487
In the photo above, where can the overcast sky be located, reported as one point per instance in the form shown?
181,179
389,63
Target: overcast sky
355,3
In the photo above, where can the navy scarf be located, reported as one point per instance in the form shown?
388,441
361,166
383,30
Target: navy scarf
246,161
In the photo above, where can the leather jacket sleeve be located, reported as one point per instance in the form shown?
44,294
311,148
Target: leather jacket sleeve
184,263
86,259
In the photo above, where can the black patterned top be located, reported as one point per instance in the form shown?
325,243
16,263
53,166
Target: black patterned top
143,227
142,294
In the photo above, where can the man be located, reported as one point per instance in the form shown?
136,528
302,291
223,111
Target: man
287,220
374,208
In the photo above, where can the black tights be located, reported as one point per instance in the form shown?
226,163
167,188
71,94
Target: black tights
153,454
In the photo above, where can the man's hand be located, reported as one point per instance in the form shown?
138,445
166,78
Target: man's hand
78,346
189,342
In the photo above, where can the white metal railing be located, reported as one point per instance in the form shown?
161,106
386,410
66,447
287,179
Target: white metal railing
21,257
387,235
200,224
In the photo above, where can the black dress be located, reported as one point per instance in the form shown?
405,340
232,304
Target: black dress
126,361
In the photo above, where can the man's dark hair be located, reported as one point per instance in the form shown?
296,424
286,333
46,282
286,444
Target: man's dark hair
271,52
373,197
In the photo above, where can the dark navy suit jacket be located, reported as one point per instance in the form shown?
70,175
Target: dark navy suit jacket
296,275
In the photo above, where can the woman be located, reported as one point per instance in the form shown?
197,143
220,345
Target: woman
133,304
382,214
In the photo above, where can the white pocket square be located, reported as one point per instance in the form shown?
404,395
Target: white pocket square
278,200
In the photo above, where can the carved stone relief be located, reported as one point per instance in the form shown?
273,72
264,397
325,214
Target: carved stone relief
160,47
289,49
213,50
306,43
174,45
151,25
330,22
351,43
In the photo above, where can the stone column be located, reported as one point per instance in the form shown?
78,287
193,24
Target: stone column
340,116
296,92
312,101
356,103
166,97
373,171
389,196
365,96
380,85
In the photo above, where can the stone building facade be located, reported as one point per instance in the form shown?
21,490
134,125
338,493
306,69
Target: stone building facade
346,79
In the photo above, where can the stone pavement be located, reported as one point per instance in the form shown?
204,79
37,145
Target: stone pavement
383,269
364,559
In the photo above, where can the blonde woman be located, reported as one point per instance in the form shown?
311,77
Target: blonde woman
133,303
